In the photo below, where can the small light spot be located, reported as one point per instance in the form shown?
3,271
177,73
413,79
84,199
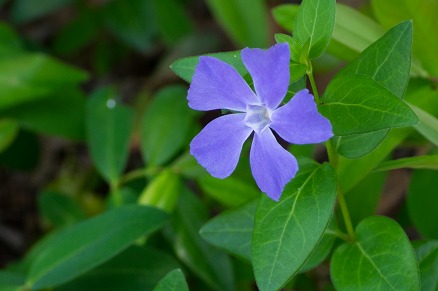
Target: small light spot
111,103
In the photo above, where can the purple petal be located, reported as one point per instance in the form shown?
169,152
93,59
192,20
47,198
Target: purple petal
299,121
217,85
269,70
271,165
217,147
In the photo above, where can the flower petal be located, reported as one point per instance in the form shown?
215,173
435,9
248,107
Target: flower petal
217,147
217,85
269,70
299,121
271,165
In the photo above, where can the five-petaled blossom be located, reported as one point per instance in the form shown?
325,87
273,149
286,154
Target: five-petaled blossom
217,85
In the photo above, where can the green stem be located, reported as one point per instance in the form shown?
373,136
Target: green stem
115,193
334,161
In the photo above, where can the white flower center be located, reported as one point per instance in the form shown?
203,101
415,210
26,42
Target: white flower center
258,117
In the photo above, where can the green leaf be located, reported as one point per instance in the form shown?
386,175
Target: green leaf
428,125
10,281
286,232
295,46
232,230
174,281
188,167
427,255
230,191
185,67
392,53
10,42
23,153
59,210
421,162
162,192
285,15
381,258
357,104
315,22
205,261
8,132
109,128
425,18
137,268
133,22
421,202
246,27
166,125
29,77
86,245
169,13
27,10
53,115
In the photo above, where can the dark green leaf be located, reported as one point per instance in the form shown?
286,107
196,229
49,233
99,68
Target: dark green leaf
187,166
23,153
174,281
422,195
381,258
232,230
134,269
86,245
10,42
427,256
185,68
315,22
11,281
166,125
109,126
8,132
59,210
357,104
230,191
421,162
207,262
246,27
286,232
392,53
28,10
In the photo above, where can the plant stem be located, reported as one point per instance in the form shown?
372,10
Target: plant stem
334,161
115,193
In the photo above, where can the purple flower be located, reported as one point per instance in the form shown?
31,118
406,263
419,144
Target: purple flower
217,85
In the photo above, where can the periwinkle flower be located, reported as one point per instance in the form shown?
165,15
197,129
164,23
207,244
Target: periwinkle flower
217,85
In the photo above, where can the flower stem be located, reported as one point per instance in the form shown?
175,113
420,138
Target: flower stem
334,161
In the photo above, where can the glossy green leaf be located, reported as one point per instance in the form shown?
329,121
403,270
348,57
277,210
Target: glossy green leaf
246,27
421,162
297,71
285,15
174,281
166,125
137,268
351,172
162,192
109,126
286,232
294,45
232,230
421,202
357,104
8,132
133,22
315,22
425,17
10,281
207,262
393,54
381,258
173,21
185,67
427,256
28,10
53,115
86,245
230,191
59,210
29,77
427,125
